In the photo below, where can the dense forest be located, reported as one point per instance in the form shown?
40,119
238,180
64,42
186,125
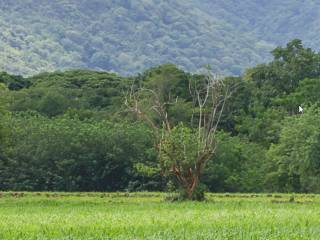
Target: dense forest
69,131
127,37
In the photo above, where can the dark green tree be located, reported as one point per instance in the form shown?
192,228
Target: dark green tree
294,162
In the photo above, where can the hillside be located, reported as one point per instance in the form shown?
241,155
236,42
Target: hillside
128,36
276,22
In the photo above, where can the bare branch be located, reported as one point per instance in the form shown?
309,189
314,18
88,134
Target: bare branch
209,98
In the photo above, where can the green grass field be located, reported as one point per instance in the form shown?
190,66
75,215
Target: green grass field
147,216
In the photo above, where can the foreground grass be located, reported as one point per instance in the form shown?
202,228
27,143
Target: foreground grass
37,216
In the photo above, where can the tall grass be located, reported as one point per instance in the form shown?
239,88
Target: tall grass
62,216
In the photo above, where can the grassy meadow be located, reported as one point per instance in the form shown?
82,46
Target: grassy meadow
96,216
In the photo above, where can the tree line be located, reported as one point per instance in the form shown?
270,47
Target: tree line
72,131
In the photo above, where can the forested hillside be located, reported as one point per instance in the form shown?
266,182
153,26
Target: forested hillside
130,36
276,22
71,131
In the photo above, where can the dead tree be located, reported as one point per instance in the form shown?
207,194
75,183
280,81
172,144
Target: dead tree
209,98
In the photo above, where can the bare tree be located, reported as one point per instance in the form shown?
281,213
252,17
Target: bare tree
183,150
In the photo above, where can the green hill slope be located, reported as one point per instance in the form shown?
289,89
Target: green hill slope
129,36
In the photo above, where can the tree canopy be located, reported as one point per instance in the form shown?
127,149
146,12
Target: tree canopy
71,131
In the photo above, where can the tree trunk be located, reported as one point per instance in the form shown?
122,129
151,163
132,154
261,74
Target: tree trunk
189,181
190,186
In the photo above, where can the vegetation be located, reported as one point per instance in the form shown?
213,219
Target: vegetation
127,216
72,131
183,150
139,148
124,36
67,154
